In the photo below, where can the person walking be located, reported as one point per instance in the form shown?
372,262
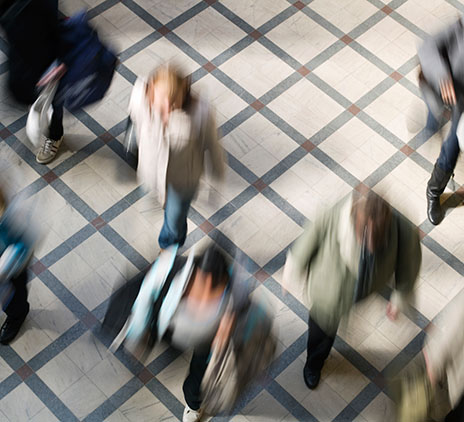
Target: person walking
174,130
348,253
15,252
442,84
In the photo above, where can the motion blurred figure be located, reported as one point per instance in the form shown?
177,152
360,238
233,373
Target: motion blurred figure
174,129
15,252
195,305
32,31
442,83
444,359
349,252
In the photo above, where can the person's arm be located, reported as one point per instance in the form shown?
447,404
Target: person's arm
408,261
213,146
433,57
299,257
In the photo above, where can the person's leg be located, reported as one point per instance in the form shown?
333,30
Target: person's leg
319,345
442,172
192,385
16,310
174,230
52,143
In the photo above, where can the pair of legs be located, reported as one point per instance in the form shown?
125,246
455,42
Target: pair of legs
319,345
16,310
174,230
443,168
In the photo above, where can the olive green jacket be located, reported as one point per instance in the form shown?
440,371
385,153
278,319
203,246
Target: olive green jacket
326,260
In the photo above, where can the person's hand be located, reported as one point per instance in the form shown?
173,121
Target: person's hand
223,332
392,311
447,91
54,74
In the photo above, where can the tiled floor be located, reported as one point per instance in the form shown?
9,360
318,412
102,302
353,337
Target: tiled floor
314,98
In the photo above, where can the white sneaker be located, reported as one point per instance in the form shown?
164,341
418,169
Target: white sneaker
48,150
191,415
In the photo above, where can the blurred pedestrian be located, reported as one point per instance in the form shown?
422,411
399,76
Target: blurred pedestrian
15,252
442,84
195,306
349,252
174,130
444,360
32,31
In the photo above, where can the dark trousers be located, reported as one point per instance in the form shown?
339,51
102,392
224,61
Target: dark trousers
33,38
319,345
18,306
450,148
457,414
192,384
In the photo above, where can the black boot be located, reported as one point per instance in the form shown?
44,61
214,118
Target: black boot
435,188
11,327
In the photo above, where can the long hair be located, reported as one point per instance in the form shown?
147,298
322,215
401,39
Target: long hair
214,261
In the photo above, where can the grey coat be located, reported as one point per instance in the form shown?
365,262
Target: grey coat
442,56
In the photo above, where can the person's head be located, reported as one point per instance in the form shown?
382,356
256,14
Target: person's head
167,85
372,217
212,267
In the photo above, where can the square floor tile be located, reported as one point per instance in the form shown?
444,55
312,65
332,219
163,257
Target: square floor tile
82,397
109,375
301,37
143,405
256,69
59,373
30,404
319,108
209,33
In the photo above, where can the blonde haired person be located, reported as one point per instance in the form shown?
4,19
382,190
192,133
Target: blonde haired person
174,130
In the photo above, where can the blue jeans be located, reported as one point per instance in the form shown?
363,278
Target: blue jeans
450,148
174,228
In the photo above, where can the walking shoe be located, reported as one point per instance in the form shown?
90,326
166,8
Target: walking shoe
48,150
311,377
11,327
191,415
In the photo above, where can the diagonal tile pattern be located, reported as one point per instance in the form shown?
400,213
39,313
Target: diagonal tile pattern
314,98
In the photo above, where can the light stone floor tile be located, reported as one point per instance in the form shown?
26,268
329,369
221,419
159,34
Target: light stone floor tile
378,350
92,290
86,352
33,340
347,381
96,250
45,415
60,373
82,397
40,296
68,221
258,12
116,416
55,320
255,69
5,370
380,409
264,408
31,405
142,406
209,33
109,375
70,269
291,379
323,402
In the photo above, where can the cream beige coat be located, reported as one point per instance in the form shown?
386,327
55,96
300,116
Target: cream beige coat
174,155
